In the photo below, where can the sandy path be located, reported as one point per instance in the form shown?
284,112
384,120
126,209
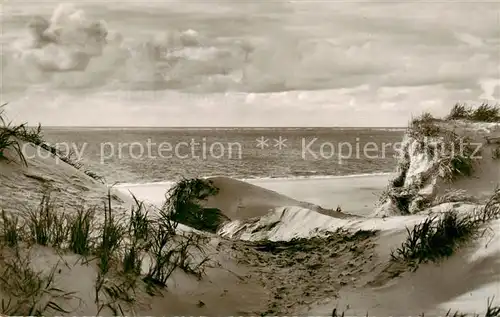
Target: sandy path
301,272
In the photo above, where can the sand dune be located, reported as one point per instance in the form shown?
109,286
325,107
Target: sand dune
241,200
24,185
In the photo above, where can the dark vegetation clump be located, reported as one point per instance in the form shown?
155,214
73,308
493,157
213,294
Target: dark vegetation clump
483,113
457,156
424,126
459,112
438,237
495,153
183,204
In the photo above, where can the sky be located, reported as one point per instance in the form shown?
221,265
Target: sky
310,63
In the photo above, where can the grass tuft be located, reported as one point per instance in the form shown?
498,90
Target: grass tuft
438,237
80,231
138,233
111,237
435,238
45,226
9,230
8,138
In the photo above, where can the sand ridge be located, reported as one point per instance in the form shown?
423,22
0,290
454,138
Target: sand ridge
240,200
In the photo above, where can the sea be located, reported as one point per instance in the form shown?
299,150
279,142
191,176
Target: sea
145,155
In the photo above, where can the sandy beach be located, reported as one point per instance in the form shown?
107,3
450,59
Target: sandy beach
354,194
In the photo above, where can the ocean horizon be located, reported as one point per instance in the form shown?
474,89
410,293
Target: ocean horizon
130,155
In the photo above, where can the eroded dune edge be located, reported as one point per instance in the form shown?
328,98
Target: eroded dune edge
72,245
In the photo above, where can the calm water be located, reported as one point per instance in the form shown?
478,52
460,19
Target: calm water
235,152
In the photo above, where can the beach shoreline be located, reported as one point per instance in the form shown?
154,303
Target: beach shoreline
355,194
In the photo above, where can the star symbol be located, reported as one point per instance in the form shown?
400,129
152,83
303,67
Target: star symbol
262,142
280,143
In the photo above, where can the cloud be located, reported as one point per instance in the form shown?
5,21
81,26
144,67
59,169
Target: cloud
339,63
469,39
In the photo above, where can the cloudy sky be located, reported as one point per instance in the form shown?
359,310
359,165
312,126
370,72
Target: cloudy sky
258,63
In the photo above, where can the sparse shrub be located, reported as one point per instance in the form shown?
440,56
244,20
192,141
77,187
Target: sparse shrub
34,136
185,259
119,248
161,266
169,252
483,113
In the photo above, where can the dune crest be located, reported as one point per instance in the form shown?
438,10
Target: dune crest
240,200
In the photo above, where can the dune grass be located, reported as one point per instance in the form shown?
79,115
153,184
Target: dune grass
435,238
424,126
46,227
117,246
455,153
482,113
183,205
12,135
9,233
80,227
8,139
456,156
438,237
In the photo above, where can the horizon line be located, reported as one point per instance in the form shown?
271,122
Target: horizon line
221,127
